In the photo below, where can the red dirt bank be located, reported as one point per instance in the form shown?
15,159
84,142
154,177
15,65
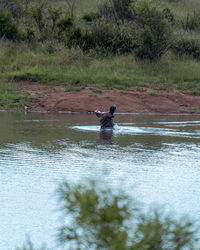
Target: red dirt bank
86,100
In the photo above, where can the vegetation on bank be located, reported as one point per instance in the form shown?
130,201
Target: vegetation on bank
96,217
111,43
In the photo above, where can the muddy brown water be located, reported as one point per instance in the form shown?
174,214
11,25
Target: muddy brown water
156,157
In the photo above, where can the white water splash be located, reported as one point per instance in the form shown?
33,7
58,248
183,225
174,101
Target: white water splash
134,130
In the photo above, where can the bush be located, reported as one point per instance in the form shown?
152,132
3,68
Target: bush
108,39
154,33
74,37
96,217
65,24
30,35
91,17
15,7
31,77
187,47
8,28
169,15
124,42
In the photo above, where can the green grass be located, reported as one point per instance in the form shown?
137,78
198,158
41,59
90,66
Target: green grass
75,70
11,97
154,93
74,88
97,91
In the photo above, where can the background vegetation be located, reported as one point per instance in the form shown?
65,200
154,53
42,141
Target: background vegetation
96,217
111,43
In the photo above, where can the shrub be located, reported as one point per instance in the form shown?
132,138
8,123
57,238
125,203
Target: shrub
30,35
108,39
27,35
91,17
31,77
154,33
96,217
65,27
65,24
123,41
169,15
15,7
187,47
74,37
8,28
196,92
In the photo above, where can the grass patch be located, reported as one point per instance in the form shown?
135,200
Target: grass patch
196,92
76,70
154,93
109,98
11,96
122,92
92,95
31,77
97,91
188,86
74,88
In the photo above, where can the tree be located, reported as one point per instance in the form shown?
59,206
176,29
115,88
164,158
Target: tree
154,33
96,217
99,218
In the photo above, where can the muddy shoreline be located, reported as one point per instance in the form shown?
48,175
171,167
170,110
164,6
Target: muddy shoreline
135,100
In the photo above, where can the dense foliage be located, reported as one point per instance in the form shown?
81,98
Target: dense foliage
154,36
188,47
118,27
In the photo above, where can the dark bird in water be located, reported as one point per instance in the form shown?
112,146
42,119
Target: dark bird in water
106,118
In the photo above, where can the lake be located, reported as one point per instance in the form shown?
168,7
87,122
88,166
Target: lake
154,157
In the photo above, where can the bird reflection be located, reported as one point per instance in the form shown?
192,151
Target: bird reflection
105,136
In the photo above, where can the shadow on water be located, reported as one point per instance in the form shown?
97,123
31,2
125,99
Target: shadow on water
106,137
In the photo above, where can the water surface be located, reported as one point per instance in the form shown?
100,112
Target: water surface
158,155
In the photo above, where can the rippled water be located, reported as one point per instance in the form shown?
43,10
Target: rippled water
157,155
